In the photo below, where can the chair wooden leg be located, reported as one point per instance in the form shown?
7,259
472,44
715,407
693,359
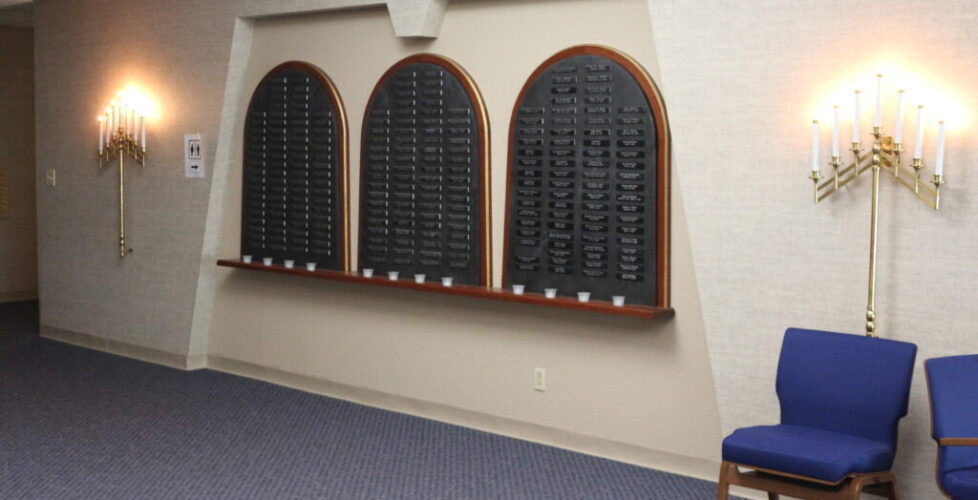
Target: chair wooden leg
772,496
723,484
855,489
891,490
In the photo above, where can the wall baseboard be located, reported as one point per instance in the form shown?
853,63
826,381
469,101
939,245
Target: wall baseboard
700,468
19,296
591,445
150,355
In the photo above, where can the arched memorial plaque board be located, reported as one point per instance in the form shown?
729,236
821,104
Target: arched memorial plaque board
424,185
588,180
294,193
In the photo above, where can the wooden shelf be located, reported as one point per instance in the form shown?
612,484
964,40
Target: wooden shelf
463,290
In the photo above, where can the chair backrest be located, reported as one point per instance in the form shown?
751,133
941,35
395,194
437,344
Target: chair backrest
845,383
953,386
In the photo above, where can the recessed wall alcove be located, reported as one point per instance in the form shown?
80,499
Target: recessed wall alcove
392,346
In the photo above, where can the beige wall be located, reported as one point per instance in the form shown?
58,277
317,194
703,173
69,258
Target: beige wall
631,389
744,79
628,389
18,231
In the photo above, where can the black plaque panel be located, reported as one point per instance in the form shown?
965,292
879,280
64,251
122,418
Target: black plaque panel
582,183
422,176
294,192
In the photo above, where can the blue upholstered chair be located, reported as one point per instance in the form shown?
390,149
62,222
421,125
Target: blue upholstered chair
842,397
953,386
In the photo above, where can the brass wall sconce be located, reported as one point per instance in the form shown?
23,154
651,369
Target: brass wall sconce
121,133
886,156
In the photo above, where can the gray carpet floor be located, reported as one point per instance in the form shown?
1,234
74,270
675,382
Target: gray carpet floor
76,423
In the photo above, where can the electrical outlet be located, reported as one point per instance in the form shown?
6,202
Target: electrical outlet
51,177
539,379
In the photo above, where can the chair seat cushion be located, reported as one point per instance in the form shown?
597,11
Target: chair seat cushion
962,484
805,451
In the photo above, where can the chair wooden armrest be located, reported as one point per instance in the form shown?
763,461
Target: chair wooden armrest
958,441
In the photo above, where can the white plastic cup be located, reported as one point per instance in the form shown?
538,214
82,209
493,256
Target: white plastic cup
446,281
266,260
549,292
618,300
392,275
367,272
518,289
583,296
246,259
418,278
310,266
289,263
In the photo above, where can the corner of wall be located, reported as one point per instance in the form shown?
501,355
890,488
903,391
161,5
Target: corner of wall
207,275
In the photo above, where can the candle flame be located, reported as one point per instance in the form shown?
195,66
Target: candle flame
142,102
138,100
918,89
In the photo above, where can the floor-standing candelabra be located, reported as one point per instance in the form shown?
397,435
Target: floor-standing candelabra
886,157
122,132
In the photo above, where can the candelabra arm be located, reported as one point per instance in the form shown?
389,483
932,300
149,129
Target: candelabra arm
845,175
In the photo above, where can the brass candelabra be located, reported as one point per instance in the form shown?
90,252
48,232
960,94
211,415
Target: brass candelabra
886,157
122,133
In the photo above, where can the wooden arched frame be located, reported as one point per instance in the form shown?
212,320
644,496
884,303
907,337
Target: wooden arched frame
343,147
481,122
658,110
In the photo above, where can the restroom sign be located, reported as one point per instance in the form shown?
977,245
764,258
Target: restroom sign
193,152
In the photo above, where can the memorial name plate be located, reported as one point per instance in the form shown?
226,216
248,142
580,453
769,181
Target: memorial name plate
424,188
587,177
294,196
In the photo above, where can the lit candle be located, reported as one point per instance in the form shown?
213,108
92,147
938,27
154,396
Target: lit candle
115,118
879,100
898,133
918,147
132,121
814,146
124,115
101,134
855,121
108,128
142,127
835,131
939,159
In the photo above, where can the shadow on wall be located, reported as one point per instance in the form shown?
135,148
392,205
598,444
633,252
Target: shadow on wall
412,307
18,324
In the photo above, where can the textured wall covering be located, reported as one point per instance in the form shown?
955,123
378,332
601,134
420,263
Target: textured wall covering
182,61
640,386
18,251
146,298
744,79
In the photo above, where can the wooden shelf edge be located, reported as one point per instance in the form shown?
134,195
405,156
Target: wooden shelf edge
648,312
